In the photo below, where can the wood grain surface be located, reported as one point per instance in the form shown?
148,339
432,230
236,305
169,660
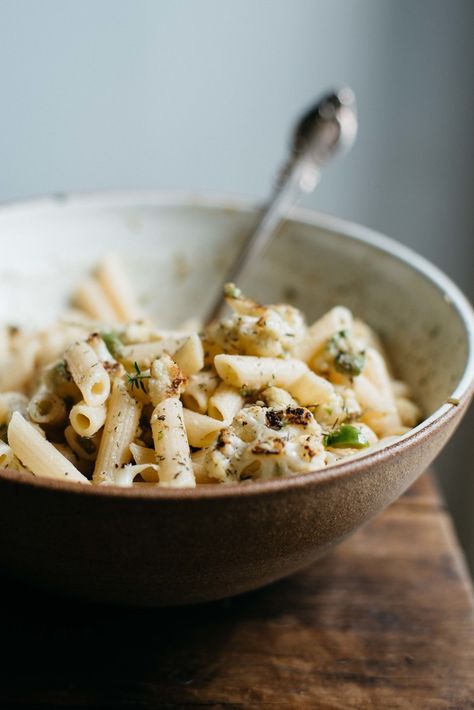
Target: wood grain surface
385,621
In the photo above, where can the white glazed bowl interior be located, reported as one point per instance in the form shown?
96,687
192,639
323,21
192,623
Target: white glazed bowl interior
176,248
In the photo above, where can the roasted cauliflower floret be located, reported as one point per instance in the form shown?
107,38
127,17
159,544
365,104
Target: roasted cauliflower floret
252,329
264,443
166,379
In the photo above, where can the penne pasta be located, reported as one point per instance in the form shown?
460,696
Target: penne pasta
88,373
125,476
84,447
100,348
68,453
6,454
334,321
408,412
38,454
91,298
198,390
106,395
86,420
201,429
256,372
116,285
190,356
119,431
141,456
198,459
278,398
225,403
17,371
45,407
12,402
145,353
171,444
310,389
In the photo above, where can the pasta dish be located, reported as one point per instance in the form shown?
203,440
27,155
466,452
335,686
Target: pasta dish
106,397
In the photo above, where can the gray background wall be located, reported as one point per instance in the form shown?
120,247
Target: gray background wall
200,94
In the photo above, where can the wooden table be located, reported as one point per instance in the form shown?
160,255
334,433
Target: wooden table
385,621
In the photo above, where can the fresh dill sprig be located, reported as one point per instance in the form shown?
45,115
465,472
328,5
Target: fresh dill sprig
138,379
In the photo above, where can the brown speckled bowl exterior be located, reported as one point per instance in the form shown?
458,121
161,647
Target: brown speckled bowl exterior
166,547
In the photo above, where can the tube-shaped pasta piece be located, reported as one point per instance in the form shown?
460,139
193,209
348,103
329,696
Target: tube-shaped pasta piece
125,476
311,389
17,371
86,420
6,454
257,372
368,396
58,379
100,348
408,411
198,390
54,341
201,429
12,402
225,403
190,356
38,454
91,298
375,369
116,285
119,431
68,453
171,444
277,398
144,353
45,407
88,373
142,456
373,390
366,336
85,447
400,389
337,319
198,458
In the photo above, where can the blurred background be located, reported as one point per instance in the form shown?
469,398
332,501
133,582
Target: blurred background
201,94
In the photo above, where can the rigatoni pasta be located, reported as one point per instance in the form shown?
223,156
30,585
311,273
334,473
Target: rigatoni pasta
255,396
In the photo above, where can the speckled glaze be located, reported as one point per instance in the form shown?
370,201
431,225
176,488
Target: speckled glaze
162,547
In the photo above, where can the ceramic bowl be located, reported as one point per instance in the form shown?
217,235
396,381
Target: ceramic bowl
165,547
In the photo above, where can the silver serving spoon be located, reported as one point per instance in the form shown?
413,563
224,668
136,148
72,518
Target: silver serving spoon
330,127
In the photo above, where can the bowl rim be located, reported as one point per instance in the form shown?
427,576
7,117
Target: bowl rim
460,396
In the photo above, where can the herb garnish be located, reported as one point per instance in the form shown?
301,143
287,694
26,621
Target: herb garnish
113,342
246,392
347,361
137,380
346,437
